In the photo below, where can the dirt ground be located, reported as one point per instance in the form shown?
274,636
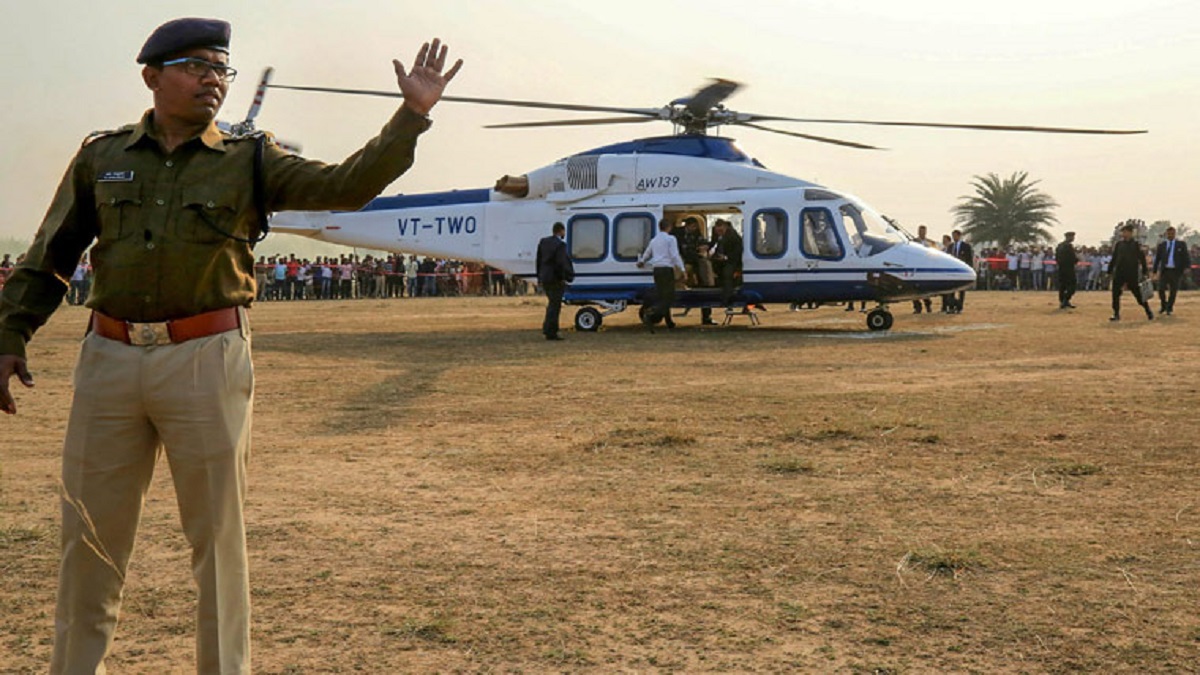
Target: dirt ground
434,488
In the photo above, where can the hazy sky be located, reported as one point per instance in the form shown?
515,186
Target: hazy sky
68,69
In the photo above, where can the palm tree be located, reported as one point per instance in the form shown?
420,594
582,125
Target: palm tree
1006,211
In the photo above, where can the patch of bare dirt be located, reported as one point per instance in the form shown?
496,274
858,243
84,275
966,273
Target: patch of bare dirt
434,488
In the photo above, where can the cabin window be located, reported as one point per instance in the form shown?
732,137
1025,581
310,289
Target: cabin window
854,227
770,233
868,231
818,195
820,239
633,233
587,237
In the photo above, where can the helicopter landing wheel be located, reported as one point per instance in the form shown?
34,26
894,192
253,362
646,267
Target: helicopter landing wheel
644,313
880,319
588,320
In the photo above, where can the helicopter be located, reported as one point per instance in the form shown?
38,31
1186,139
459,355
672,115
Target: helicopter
804,243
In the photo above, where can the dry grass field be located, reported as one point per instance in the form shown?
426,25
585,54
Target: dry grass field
434,488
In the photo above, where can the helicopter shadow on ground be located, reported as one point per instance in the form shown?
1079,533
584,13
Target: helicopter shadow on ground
415,363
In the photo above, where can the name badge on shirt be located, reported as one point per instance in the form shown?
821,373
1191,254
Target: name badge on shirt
115,177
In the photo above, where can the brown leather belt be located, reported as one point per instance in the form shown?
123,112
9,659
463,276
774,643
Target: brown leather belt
166,332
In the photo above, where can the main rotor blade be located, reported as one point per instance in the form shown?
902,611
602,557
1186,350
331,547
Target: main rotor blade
542,105
571,123
821,139
708,97
942,125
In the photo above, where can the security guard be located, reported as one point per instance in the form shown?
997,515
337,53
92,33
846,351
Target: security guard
173,206
1128,259
1066,260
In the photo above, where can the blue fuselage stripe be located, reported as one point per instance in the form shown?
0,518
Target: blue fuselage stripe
452,198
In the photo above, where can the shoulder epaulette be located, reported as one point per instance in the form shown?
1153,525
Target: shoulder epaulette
97,135
249,135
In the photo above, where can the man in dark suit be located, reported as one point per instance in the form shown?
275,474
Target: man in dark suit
727,250
1170,262
1066,260
554,271
1127,260
960,249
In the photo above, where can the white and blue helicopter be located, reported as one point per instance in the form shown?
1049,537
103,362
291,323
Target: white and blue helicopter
804,243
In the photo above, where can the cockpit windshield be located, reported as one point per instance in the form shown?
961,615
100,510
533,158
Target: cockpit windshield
869,233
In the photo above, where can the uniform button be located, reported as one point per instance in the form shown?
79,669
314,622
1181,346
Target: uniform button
170,163
159,202
150,246
211,204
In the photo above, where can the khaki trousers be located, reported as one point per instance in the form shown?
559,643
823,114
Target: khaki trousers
194,400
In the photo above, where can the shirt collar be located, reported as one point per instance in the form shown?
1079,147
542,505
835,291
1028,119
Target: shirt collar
144,131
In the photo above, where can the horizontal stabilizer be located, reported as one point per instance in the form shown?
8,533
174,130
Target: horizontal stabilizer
302,223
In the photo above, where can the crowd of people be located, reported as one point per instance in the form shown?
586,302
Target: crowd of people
1034,268
396,276
287,277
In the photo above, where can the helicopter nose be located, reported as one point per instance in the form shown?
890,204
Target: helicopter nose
952,274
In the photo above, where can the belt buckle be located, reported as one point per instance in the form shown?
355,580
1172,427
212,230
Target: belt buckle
147,334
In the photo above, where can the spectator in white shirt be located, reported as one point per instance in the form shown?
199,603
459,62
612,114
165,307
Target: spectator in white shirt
1037,266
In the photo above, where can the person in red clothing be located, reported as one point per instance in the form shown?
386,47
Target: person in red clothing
294,290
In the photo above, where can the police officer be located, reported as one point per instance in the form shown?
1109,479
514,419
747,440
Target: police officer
1065,259
173,205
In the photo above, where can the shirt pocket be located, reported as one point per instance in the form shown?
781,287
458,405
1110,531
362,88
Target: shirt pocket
118,207
209,215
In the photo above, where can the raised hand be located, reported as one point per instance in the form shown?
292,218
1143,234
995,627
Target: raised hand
423,85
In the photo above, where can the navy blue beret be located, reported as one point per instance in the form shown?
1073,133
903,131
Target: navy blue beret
175,36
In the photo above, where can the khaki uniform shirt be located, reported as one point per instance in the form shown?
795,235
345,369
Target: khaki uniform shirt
159,221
